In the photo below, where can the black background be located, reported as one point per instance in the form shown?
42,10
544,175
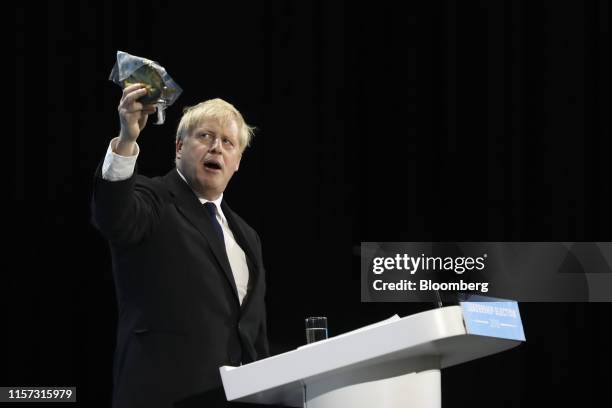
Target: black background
429,121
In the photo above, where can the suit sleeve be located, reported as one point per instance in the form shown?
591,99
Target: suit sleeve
127,211
261,342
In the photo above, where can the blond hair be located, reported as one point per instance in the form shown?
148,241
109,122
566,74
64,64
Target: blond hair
214,109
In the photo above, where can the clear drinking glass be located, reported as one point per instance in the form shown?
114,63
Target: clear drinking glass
316,329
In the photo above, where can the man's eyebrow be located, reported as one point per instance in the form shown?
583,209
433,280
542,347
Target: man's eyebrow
206,130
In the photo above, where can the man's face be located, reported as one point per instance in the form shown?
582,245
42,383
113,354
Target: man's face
209,156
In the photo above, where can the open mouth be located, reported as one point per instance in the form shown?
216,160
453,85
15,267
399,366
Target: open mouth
212,165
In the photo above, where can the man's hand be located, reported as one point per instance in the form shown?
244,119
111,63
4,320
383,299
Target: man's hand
133,117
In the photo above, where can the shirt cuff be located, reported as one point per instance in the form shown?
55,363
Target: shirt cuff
117,167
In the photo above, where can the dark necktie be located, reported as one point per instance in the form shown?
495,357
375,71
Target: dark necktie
212,211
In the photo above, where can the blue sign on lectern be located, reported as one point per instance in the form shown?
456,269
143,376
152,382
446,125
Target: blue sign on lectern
492,317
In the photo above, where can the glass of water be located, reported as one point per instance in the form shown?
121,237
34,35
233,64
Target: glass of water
316,329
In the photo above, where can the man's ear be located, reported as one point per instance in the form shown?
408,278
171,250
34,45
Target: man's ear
179,148
238,164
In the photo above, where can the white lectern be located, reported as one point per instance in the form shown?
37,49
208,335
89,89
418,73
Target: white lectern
389,365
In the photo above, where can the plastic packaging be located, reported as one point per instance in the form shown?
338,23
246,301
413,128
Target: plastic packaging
162,90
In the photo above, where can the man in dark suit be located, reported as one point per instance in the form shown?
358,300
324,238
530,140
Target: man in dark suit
188,270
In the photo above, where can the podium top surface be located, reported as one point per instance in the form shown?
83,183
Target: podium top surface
439,332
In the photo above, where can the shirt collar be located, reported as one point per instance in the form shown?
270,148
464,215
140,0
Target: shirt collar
216,202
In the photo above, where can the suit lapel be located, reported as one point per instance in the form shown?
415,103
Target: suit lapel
238,231
189,205
247,246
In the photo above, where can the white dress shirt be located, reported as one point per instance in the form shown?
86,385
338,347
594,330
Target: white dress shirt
117,168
